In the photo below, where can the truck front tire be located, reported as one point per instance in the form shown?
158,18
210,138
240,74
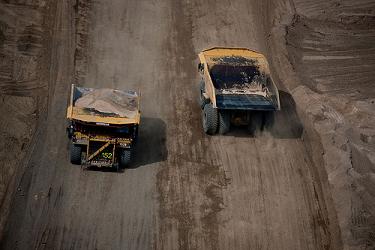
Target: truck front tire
210,119
75,154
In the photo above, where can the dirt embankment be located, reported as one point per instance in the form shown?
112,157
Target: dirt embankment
324,53
27,80
25,31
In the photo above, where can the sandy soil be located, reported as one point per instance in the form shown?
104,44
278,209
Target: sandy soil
24,34
187,190
323,51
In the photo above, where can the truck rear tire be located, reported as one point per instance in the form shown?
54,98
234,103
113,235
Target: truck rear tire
75,154
224,122
256,123
125,158
210,119
269,119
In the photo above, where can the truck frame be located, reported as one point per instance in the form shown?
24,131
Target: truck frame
236,89
104,136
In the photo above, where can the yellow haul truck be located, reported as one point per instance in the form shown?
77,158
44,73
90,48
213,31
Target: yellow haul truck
236,88
103,126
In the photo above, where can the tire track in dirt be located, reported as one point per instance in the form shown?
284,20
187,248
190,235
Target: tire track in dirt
33,206
190,184
267,203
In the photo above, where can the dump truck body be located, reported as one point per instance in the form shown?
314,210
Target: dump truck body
237,82
103,126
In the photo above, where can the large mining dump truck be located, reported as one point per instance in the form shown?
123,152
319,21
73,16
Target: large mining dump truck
236,89
103,126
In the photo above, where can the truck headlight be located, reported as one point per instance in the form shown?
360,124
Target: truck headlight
124,145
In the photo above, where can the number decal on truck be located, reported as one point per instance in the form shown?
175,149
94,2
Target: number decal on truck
107,155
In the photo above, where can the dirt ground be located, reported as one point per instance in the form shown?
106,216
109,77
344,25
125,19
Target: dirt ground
24,51
326,58
306,184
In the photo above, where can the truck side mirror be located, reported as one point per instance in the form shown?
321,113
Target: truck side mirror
200,67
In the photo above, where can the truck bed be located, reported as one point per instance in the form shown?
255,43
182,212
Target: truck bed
106,106
239,79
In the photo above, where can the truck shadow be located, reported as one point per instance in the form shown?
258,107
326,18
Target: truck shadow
151,145
285,124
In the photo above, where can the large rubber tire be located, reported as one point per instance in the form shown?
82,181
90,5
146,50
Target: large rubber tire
75,154
136,135
224,122
268,120
256,123
125,158
210,119
202,100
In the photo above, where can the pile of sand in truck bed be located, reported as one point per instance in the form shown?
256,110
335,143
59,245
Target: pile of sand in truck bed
110,102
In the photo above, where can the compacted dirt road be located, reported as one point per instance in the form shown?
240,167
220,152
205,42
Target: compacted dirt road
186,190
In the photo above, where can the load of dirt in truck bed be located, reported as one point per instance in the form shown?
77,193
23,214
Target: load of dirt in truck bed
109,102
234,61
238,74
240,80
